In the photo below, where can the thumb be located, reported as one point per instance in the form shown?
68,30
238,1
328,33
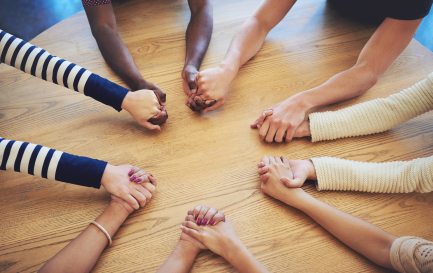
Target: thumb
292,183
191,82
150,126
303,130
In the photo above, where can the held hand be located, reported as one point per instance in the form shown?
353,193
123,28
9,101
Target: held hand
278,170
189,74
204,215
292,173
117,182
146,107
220,239
213,86
283,121
190,240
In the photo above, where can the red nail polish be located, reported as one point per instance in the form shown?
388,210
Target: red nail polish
212,222
130,172
204,222
132,178
199,221
137,180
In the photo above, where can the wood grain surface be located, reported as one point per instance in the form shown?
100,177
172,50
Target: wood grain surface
209,159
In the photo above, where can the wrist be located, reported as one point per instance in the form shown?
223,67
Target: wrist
234,249
187,249
304,102
127,101
311,173
118,208
230,70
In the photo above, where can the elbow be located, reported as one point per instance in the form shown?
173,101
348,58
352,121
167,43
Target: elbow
103,29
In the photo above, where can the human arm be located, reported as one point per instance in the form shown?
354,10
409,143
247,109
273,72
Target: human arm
365,238
373,116
103,24
56,165
198,35
143,105
82,253
214,83
377,55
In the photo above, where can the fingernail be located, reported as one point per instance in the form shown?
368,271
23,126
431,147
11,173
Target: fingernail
212,222
194,90
130,172
137,180
132,178
204,222
199,221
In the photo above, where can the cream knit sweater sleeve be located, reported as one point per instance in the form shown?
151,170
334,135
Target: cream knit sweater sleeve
373,116
389,177
412,254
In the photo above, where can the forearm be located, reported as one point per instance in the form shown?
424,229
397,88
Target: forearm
199,32
342,86
117,56
181,259
82,253
363,237
389,177
49,163
244,45
38,62
243,260
374,116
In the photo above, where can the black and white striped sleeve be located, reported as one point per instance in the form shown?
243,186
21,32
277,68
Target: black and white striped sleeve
40,63
49,163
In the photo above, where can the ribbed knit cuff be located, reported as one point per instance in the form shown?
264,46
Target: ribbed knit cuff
390,177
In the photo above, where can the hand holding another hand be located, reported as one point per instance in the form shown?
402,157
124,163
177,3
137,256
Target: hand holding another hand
147,107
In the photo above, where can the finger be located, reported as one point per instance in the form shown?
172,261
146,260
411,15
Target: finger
272,160
149,186
191,232
209,215
259,122
279,136
290,133
190,212
136,175
191,82
153,180
150,126
133,170
261,164
139,197
192,225
266,160
196,211
219,217
128,198
303,130
264,129
201,214
144,178
263,170
271,132
162,97
264,177
209,103
291,183
189,218
144,191
217,105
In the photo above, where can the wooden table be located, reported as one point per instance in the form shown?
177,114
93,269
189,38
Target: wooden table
208,159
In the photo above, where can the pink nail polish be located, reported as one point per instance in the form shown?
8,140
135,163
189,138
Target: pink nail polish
204,222
132,178
199,221
138,180
212,222
130,172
